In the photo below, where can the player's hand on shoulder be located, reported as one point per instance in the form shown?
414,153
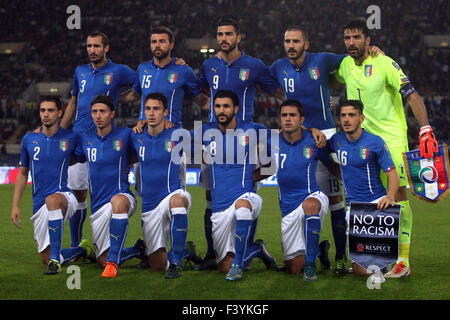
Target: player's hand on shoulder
167,124
180,62
138,128
375,51
37,130
15,217
385,202
319,137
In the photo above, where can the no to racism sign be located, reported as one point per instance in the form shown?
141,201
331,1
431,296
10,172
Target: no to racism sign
373,235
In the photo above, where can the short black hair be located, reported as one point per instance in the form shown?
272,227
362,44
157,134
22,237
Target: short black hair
293,103
227,94
105,39
54,99
161,30
157,96
227,21
352,103
358,24
102,98
299,28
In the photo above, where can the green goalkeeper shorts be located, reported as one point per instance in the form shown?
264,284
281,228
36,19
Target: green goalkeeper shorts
397,158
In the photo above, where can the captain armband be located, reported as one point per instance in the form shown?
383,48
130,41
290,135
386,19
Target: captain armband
407,90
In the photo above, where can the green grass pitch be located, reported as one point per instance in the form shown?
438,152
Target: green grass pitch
21,271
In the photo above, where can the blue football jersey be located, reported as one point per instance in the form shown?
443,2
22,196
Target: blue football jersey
241,76
232,159
296,170
48,159
360,163
160,176
172,80
309,84
89,83
107,159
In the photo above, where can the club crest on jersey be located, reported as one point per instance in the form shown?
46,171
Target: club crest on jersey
117,144
172,77
307,152
368,70
364,153
169,145
63,145
314,73
244,74
243,140
108,78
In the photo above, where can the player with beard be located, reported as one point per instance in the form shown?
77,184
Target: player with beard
231,69
235,205
100,76
380,84
166,75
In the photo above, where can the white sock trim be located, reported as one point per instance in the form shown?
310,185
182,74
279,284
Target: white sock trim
120,216
337,206
82,205
55,215
243,214
178,210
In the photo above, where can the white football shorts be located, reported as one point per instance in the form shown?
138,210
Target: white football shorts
156,223
224,224
40,220
100,221
78,176
292,227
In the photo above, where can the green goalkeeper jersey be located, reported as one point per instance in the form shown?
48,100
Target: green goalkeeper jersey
377,83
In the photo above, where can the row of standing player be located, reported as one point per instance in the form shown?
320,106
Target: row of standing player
301,76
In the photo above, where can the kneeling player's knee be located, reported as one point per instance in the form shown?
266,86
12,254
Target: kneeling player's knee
120,204
178,201
56,201
359,271
295,265
311,206
241,203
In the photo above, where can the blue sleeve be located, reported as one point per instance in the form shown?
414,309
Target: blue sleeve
267,143
136,85
268,83
333,60
24,156
384,158
330,144
131,151
203,81
78,153
75,84
191,84
323,155
127,76
273,70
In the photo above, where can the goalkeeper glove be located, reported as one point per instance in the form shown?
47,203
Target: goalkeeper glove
427,142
